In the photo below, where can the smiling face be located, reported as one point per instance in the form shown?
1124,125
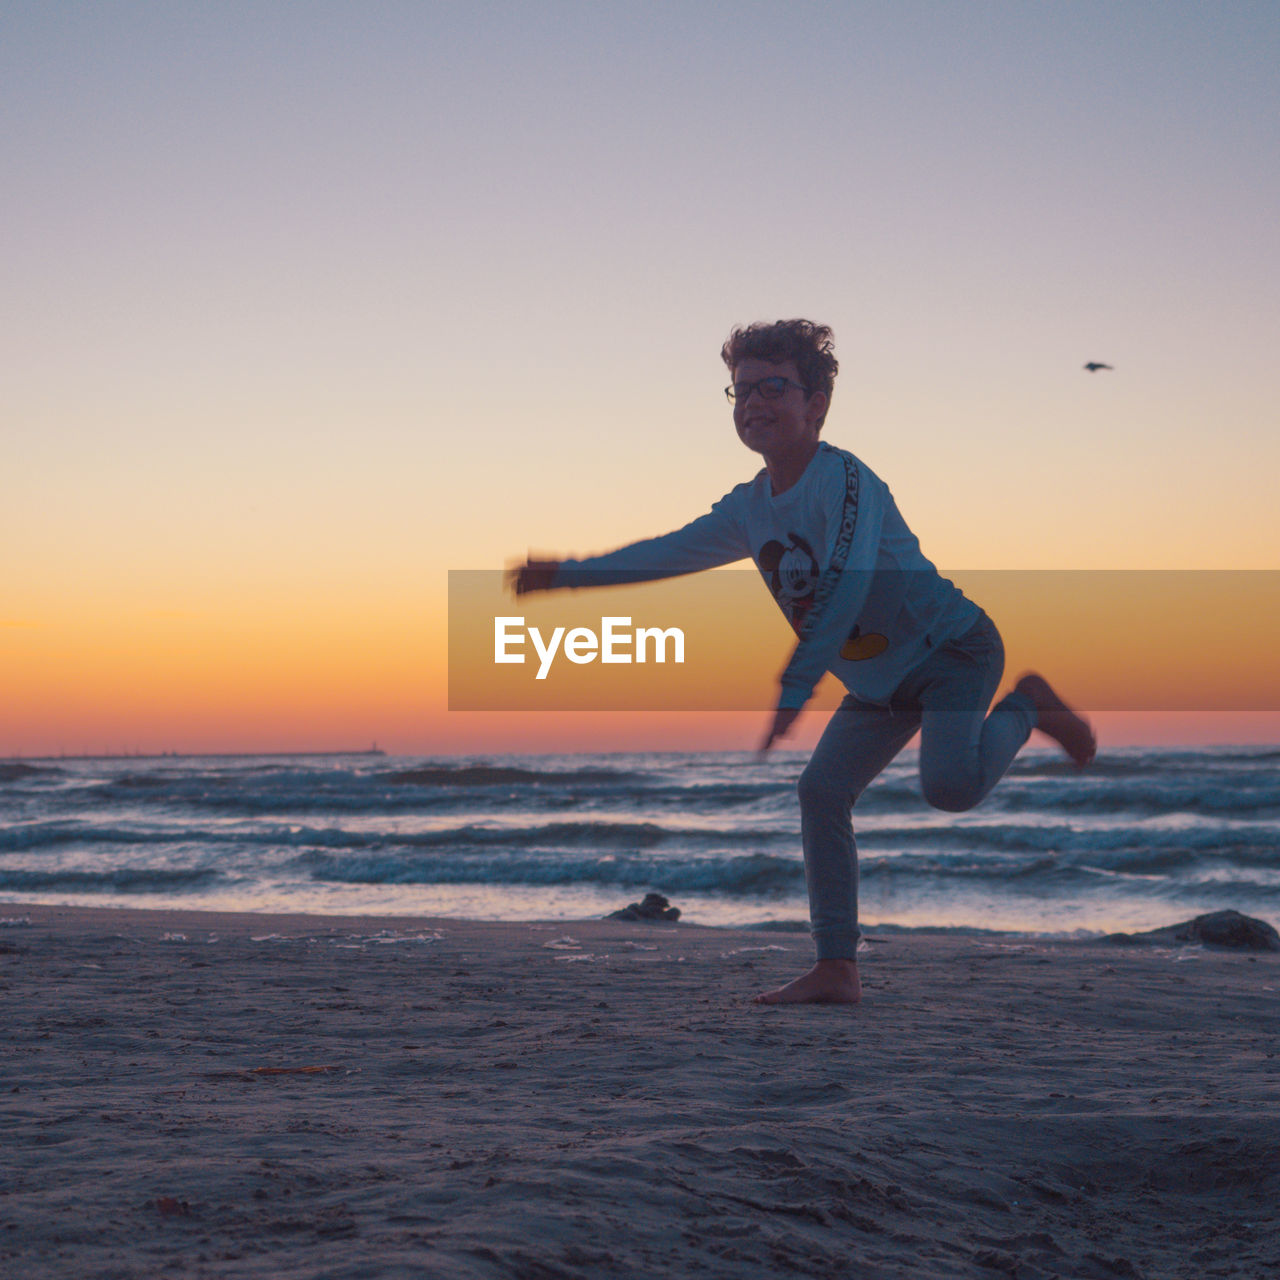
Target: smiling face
781,428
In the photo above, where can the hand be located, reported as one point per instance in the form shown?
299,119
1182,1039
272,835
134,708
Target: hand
533,575
783,719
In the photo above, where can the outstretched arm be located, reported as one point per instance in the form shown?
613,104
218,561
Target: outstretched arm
533,575
779,726
710,540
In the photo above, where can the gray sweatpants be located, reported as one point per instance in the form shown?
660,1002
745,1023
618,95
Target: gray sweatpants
963,754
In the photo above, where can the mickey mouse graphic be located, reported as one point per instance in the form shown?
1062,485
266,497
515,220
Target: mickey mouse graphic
793,575
793,579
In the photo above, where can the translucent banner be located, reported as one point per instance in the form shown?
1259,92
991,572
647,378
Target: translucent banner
1110,640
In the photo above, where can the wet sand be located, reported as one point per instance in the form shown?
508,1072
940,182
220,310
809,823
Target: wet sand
190,1094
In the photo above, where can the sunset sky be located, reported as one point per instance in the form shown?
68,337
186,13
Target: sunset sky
308,304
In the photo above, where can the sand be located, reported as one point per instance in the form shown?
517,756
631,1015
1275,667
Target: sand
190,1094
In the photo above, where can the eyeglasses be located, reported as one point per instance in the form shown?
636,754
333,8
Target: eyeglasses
768,389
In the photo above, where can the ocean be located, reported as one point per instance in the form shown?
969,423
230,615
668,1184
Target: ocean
1143,838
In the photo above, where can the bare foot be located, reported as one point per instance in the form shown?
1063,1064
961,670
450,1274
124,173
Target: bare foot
828,982
1070,731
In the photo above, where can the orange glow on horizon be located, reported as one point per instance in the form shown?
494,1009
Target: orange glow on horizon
332,677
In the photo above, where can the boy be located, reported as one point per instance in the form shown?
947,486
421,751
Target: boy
912,650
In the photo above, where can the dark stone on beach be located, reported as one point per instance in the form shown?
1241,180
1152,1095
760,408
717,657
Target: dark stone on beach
1217,929
654,907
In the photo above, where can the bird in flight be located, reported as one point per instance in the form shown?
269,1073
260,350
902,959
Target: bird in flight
1094,365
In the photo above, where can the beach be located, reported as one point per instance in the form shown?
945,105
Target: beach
200,1094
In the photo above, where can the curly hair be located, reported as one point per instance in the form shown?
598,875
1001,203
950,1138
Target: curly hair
811,346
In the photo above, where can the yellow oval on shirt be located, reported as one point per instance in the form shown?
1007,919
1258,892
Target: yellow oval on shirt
859,648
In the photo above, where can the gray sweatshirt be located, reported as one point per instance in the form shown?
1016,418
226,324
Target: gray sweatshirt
840,561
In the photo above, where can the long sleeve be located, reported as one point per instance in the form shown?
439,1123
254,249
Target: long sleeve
854,513
714,539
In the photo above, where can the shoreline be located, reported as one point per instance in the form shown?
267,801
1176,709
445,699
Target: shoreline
228,1095
557,838
795,928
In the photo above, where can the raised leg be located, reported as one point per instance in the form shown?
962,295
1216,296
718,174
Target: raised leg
1071,731
964,751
